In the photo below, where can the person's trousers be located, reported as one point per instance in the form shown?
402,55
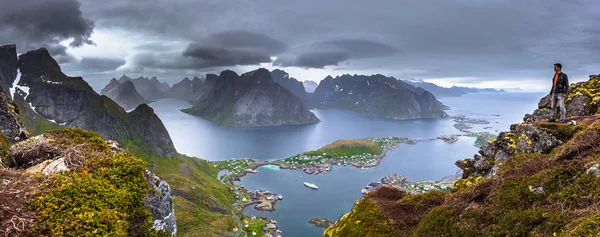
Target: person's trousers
560,100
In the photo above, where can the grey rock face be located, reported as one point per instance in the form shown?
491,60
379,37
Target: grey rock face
10,124
579,106
377,95
160,203
9,64
72,102
291,84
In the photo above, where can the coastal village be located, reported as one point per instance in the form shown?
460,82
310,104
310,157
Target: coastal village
359,153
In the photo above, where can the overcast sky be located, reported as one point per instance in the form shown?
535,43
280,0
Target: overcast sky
491,43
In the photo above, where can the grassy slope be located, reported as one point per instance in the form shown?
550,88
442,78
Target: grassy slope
200,198
201,201
349,147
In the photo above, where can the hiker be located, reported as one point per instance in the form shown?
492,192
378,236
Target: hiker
560,88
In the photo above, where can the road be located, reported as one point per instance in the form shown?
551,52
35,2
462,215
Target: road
240,227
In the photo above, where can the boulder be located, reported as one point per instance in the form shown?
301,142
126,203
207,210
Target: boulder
49,167
579,105
545,102
160,203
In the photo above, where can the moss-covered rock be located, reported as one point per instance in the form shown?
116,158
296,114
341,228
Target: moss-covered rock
102,192
4,148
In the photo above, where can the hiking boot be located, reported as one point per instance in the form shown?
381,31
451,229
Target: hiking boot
551,120
562,121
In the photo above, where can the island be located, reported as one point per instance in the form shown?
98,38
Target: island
252,99
448,138
360,153
321,222
463,123
376,95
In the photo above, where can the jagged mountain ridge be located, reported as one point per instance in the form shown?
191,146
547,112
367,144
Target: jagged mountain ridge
150,88
377,95
252,99
538,179
70,101
124,94
291,84
454,91
189,90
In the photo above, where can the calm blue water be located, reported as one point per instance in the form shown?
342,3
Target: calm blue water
339,190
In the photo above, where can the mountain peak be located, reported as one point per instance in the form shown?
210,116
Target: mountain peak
124,78
38,61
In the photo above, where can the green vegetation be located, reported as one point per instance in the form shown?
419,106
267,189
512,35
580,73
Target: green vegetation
235,166
564,132
102,196
255,226
365,219
440,222
323,223
4,148
113,108
35,123
201,201
483,139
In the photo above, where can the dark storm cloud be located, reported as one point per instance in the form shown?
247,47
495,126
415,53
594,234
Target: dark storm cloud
495,39
332,53
234,48
224,49
44,23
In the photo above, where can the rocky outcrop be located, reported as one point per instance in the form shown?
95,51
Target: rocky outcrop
160,204
377,95
583,99
291,84
189,90
124,94
252,99
8,67
10,124
71,102
310,86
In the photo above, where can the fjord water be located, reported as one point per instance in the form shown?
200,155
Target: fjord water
338,190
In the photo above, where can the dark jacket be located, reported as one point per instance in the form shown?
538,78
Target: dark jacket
562,84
